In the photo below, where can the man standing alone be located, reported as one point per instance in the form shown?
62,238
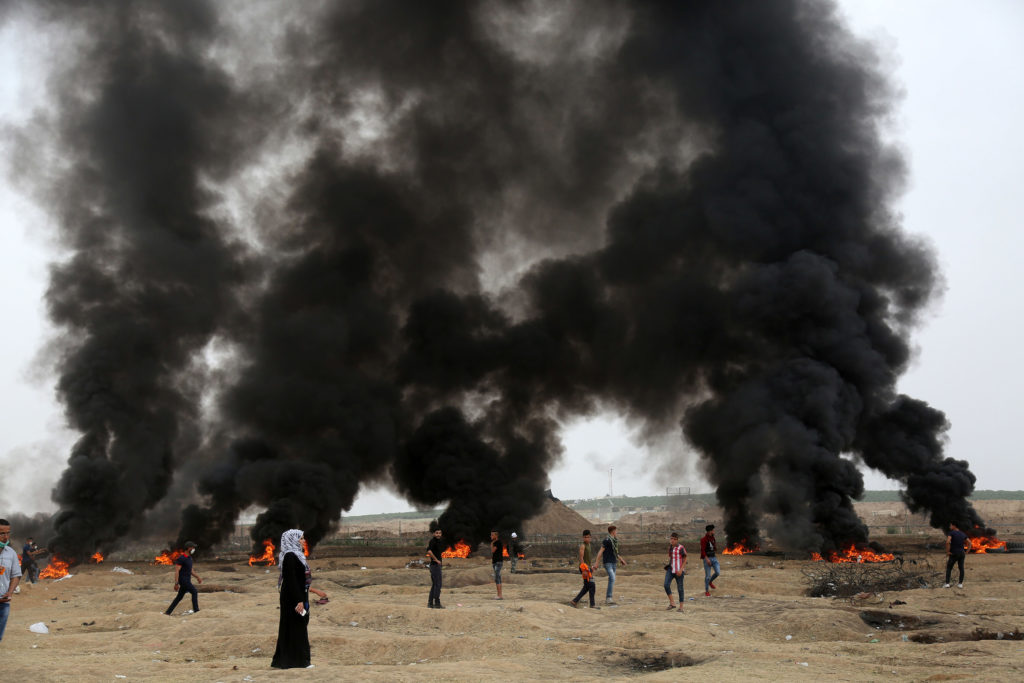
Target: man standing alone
434,550
610,552
497,561
10,573
707,556
956,549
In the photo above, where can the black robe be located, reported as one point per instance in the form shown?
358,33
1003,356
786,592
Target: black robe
292,636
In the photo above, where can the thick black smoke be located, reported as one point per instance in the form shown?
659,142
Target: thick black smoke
476,220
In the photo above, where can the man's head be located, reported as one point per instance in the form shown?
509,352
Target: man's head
613,530
586,535
954,525
515,535
709,528
5,533
494,535
437,533
190,547
674,538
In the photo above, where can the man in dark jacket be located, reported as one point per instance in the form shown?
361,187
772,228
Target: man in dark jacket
956,550
434,550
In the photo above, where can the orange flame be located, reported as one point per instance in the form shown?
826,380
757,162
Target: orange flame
168,557
504,552
305,547
852,554
97,557
267,558
57,569
741,548
982,544
460,550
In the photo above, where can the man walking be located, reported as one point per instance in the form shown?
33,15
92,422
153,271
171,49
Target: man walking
675,569
183,579
956,549
10,573
497,561
707,556
29,567
612,558
515,549
434,550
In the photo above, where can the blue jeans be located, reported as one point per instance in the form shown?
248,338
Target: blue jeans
710,566
496,566
668,585
610,568
5,608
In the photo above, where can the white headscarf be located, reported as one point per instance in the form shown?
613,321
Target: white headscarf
291,542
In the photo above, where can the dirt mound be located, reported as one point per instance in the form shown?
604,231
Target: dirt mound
555,519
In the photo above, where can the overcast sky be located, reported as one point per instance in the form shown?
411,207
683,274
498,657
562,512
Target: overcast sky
958,123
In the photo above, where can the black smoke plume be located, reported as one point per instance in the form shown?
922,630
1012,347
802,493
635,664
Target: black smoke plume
473,221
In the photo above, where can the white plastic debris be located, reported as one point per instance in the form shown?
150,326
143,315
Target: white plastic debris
119,676
38,627
353,623
362,567
66,576
122,570
804,664
789,637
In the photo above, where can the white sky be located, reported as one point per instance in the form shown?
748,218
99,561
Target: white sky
959,123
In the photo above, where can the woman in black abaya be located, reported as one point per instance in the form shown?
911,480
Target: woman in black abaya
292,636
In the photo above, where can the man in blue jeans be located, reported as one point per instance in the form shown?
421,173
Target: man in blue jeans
10,573
610,553
708,548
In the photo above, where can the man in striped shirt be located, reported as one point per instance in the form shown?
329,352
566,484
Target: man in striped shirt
675,569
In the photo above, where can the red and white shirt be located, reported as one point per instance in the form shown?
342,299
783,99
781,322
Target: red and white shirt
676,553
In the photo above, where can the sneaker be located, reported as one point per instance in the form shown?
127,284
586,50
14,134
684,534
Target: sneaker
190,612
594,607
609,601
959,585
707,594
945,585
573,603
712,584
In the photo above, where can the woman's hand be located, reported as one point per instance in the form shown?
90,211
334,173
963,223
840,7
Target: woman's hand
299,609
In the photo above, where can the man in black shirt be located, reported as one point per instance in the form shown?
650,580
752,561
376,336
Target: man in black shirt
497,561
956,548
434,550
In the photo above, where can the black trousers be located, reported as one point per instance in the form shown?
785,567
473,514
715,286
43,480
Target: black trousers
182,589
588,587
957,560
435,582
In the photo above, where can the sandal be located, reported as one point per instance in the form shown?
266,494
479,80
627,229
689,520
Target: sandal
322,601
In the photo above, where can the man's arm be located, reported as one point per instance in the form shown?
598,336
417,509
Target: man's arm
177,574
949,539
196,576
682,565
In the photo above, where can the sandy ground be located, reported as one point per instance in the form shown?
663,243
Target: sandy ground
108,626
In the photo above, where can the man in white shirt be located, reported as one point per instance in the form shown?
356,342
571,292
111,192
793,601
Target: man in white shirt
10,573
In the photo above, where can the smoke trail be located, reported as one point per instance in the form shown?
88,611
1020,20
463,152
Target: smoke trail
483,219
142,118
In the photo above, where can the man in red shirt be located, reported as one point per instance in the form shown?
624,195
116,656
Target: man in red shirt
707,556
